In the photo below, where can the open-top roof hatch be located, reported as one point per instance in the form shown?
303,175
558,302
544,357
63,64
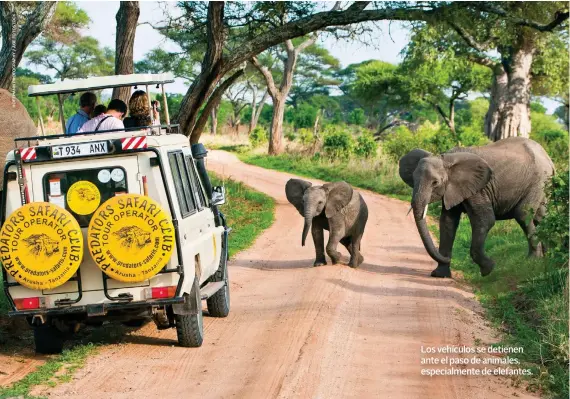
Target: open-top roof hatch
100,82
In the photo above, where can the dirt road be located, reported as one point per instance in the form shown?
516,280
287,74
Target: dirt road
301,332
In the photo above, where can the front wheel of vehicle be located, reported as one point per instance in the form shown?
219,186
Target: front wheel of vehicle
48,339
190,327
219,303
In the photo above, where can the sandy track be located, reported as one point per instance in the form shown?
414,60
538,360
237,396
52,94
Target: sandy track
295,331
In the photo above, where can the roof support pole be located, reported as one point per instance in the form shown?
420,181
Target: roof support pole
166,115
61,116
40,114
149,104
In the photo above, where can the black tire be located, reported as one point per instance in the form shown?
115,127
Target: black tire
190,328
219,303
48,340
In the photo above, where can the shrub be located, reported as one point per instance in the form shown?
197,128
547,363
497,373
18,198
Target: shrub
304,116
290,135
356,117
337,142
366,146
555,142
471,136
553,230
306,136
258,137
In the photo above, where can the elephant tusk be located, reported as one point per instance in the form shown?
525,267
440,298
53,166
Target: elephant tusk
409,210
425,212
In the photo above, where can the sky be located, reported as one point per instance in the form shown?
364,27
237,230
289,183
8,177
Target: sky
388,38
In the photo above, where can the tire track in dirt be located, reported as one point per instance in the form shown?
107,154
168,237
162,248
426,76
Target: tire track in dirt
295,331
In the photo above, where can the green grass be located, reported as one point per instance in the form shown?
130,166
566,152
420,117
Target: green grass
525,298
57,369
248,213
379,175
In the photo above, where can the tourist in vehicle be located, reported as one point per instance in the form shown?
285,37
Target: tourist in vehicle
87,103
99,109
139,110
155,112
112,119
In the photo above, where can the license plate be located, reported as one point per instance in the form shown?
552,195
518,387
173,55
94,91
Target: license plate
79,150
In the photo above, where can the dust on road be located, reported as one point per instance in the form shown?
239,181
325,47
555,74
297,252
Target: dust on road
295,331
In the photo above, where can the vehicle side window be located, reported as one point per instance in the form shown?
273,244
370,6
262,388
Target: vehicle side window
182,183
196,181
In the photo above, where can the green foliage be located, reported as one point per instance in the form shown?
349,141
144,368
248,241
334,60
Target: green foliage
356,117
304,116
337,142
366,146
174,100
553,230
306,136
258,137
552,136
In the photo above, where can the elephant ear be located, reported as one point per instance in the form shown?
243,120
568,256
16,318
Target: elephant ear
294,190
408,164
467,174
338,196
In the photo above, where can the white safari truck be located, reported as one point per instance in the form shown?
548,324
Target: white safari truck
112,225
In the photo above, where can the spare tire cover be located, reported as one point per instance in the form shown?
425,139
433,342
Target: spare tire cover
131,238
41,245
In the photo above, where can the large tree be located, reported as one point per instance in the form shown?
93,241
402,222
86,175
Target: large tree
280,92
508,38
20,23
127,18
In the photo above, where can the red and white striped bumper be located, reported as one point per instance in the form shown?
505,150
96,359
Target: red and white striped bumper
133,143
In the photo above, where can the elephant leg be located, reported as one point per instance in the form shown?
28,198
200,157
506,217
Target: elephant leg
482,220
319,240
540,213
529,229
356,257
347,243
334,239
448,223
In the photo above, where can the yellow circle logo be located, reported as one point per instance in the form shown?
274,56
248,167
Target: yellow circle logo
41,245
131,237
83,197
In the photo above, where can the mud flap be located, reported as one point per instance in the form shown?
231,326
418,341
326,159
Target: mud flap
192,302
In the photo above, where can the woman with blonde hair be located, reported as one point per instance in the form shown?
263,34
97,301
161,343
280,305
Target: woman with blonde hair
139,110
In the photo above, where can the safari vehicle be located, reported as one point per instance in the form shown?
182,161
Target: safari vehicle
112,225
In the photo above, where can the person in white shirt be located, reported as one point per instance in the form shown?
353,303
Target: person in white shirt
110,120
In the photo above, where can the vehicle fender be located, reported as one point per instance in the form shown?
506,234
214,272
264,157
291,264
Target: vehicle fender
192,301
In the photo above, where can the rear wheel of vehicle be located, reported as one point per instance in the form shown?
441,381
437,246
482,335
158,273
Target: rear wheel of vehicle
190,328
219,303
48,339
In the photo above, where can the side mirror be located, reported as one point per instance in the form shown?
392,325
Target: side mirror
218,195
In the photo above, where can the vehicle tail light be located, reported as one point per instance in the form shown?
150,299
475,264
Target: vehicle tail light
160,292
29,303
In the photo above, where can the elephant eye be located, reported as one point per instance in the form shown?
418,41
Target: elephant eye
434,183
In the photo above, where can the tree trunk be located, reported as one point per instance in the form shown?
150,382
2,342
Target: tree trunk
35,23
214,120
509,109
127,18
255,115
276,132
213,103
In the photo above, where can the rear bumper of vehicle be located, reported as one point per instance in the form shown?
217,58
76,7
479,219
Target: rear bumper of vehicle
99,309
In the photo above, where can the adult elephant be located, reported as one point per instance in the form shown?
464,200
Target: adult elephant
14,122
335,207
502,180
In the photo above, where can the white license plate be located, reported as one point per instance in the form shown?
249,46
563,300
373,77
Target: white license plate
79,150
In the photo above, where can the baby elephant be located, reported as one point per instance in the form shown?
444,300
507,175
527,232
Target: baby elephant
335,207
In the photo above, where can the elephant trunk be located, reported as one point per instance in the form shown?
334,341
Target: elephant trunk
420,210
307,226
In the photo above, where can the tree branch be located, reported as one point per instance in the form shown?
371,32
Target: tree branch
559,17
307,43
271,88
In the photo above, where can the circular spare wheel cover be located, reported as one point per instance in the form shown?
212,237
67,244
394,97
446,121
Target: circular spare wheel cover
83,197
131,237
41,245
